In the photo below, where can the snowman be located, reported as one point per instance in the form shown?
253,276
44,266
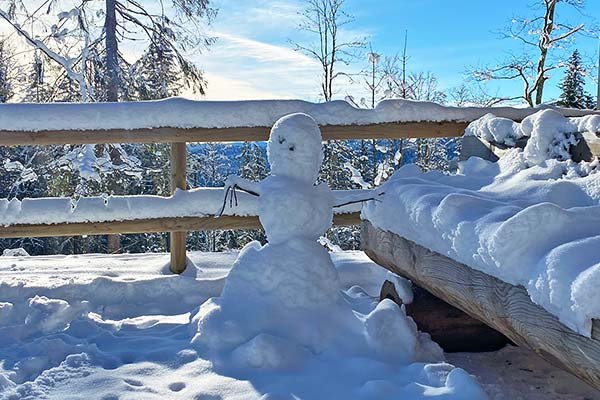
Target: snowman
273,290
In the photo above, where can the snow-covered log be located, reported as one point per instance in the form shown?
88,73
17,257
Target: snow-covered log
166,224
586,149
504,307
181,120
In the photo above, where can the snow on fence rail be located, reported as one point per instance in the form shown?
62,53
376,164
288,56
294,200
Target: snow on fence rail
179,121
184,210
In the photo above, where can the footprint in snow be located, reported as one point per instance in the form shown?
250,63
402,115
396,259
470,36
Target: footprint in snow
177,386
133,382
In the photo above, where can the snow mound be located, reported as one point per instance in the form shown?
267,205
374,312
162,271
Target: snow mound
18,252
269,291
495,129
527,224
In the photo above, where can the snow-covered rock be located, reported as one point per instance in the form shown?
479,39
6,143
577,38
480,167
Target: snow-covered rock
550,133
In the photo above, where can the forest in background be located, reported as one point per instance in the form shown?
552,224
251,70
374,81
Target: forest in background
72,52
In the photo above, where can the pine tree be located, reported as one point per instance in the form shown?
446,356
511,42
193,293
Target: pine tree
162,72
6,72
573,94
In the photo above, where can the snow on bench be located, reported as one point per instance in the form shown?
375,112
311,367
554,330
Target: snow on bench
531,221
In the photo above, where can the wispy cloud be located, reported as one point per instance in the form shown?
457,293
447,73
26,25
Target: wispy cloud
252,55
247,66
261,51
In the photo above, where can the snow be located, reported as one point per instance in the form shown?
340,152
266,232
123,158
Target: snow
495,129
117,327
190,203
294,148
184,113
528,219
18,252
133,341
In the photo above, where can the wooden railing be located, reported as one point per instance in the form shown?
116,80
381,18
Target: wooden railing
179,137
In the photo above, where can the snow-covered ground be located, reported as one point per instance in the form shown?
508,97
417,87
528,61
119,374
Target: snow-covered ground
117,327
530,219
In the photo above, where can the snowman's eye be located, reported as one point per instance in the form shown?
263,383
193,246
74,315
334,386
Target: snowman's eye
292,148
281,140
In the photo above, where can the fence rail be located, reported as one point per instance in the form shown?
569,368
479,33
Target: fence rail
171,224
397,130
179,137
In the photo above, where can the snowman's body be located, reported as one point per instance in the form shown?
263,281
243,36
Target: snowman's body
292,274
283,296
290,204
289,208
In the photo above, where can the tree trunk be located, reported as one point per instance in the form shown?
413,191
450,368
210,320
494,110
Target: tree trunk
112,88
112,59
543,46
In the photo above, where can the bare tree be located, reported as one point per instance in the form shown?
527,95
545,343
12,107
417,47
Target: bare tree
324,18
72,41
416,86
539,35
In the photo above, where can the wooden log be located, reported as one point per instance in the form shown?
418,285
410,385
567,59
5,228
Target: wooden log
113,243
178,181
423,129
174,224
502,306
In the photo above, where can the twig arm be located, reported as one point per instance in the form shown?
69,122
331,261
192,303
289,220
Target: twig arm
366,195
234,183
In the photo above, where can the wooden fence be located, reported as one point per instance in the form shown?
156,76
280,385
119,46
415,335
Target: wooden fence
179,137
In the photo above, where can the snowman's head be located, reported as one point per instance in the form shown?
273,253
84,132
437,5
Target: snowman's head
295,148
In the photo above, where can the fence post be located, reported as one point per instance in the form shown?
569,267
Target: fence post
178,180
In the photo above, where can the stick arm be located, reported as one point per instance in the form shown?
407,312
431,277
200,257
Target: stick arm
359,197
243,184
232,183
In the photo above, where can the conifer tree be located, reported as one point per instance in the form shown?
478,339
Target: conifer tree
6,72
573,94
161,72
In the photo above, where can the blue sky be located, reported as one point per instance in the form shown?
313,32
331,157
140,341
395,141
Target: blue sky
252,57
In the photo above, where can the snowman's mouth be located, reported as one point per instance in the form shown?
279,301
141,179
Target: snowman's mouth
292,148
